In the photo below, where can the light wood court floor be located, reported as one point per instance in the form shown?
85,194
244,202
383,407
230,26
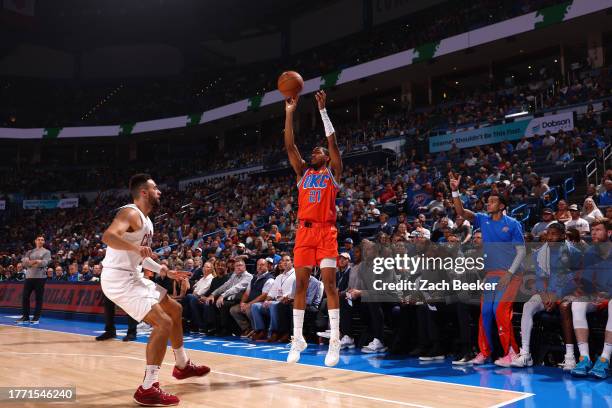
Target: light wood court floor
106,374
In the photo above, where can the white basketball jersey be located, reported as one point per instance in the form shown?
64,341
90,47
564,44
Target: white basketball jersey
129,260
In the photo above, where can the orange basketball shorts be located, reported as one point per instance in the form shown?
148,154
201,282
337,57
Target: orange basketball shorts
314,243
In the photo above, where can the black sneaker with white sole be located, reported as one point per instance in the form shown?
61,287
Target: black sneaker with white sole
35,320
464,360
23,320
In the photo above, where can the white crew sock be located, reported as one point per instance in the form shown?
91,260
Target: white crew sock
151,376
569,350
180,355
298,323
334,323
607,350
583,348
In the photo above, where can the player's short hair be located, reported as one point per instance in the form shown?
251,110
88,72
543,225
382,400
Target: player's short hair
501,199
607,224
323,149
137,181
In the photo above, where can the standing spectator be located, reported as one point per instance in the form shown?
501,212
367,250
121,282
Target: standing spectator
36,261
605,198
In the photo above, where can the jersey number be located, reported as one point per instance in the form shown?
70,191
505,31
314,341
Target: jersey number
314,196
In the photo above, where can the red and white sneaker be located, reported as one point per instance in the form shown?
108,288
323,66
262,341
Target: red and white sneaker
155,397
190,370
506,361
479,359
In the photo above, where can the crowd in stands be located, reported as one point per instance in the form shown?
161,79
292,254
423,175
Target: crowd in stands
66,104
469,110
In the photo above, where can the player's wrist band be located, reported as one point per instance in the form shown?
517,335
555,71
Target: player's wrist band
455,194
151,265
329,128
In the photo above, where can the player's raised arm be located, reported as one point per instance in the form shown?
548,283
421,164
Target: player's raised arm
113,236
295,159
454,185
332,143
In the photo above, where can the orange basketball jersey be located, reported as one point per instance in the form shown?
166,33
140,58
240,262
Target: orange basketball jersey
317,191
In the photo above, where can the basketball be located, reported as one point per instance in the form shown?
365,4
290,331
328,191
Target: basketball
290,84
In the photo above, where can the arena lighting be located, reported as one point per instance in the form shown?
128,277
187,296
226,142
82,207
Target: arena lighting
516,115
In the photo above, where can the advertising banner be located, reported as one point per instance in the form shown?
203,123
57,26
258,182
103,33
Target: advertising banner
500,133
72,202
59,296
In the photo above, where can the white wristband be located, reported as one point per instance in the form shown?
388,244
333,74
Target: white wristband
455,194
150,265
329,128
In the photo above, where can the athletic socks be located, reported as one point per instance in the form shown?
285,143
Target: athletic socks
583,348
334,323
151,376
298,323
607,350
569,349
181,357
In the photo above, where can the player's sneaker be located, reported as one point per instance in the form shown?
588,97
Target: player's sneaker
333,353
479,359
601,368
35,320
325,334
522,360
106,336
435,353
583,367
506,360
347,342
154,397
23,320
297,346
463,360
569,362
375,346
190,370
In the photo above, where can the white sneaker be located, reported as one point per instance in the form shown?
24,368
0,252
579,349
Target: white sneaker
347,342
297,346
522,360
325,334
333,353
143,327
375,346
569,363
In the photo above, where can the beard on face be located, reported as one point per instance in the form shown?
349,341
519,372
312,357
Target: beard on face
154,202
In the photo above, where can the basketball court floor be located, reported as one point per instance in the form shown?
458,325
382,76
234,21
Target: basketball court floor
61,352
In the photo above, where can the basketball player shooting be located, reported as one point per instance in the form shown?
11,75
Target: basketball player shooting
316,238
129,240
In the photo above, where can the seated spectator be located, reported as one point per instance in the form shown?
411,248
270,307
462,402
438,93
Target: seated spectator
257,291
73,272
590,212
203,313
60,275
229,294
194,300
576,222
562,214
540,228
282,290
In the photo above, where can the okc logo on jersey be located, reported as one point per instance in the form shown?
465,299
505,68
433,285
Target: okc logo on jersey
315,181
